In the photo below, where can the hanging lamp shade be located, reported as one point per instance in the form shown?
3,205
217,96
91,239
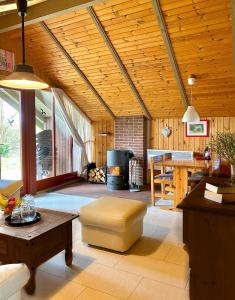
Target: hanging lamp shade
23,77
191,115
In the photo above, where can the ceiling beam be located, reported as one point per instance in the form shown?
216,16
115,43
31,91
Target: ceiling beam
166,38
77,69
118,61
43,11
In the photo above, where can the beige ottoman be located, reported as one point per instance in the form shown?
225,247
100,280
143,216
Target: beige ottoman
113,223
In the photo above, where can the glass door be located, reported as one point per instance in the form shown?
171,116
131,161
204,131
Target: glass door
10,135
44,134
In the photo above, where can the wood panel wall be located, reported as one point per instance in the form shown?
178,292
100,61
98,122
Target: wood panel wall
100,144
178,140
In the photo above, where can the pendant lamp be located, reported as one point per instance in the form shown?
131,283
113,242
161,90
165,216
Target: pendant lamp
191,115
23,76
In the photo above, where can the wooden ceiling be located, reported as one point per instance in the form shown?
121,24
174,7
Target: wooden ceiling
201,36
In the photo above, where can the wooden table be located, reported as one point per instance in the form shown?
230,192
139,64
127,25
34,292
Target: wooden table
36,243
180,174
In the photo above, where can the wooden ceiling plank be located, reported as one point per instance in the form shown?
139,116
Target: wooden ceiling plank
233,30
43,11
166,38
78,70
118,61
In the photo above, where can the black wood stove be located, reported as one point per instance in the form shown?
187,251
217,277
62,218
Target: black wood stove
118,169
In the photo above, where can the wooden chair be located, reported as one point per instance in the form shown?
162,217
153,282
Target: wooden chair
165,178
220,168
195,177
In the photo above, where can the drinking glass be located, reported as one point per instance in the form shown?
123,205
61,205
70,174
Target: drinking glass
16,215
28,212
24,211
32,211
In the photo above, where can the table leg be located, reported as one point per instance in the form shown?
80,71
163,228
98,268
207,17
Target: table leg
30,286
180,183
68,256
68,249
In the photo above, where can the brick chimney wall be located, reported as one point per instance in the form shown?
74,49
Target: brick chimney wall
130,133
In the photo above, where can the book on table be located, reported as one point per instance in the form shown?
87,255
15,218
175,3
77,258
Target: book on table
222,188
219,198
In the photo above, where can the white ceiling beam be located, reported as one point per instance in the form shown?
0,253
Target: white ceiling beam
43,11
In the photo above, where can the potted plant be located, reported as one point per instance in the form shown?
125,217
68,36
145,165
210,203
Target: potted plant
224,146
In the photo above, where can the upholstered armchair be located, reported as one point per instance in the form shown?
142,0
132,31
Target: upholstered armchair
12,278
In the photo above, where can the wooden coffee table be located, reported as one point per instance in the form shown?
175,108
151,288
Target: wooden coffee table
36,243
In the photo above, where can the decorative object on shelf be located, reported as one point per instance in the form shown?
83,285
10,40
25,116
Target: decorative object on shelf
23,76
224,146
197,129
166,131
191,115
207,153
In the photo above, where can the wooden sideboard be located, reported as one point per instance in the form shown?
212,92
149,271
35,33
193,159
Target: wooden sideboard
209,236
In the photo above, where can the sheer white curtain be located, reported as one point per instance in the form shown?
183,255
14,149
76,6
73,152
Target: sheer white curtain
79,126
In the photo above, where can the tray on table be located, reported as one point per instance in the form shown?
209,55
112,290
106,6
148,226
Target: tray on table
22,222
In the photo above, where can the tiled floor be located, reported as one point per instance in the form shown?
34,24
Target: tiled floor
92,190
155,268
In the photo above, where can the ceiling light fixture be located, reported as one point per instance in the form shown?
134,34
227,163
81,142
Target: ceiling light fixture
191,115
23,76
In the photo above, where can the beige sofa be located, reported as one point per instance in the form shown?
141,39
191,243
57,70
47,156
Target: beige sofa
12,278
112,223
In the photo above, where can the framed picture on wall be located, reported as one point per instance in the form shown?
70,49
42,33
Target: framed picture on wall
6,60
197,129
